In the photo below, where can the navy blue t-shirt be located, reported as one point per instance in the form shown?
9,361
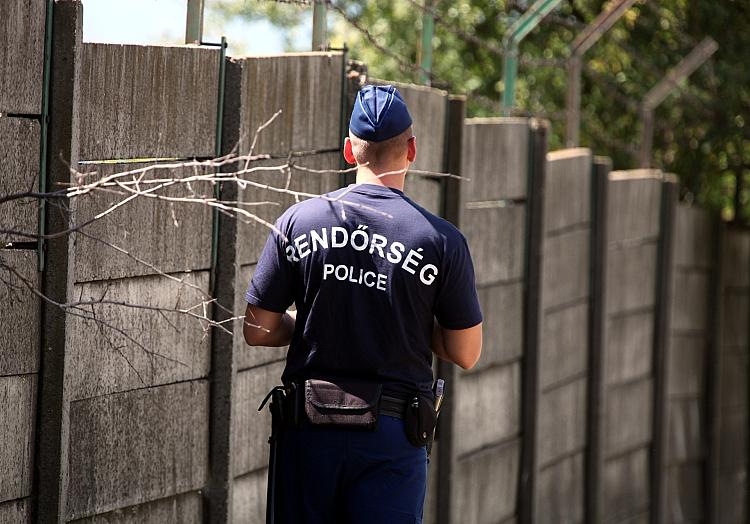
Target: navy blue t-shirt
368,269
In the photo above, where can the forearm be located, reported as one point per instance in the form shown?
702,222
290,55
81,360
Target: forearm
269,332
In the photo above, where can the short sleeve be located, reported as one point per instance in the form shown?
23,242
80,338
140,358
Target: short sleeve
457,304
271,287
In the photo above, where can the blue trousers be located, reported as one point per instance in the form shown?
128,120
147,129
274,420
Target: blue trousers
338,476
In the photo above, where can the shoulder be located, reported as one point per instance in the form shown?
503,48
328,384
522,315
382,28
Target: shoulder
308,212
449,233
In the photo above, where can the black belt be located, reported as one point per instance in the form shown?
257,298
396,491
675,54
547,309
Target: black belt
392,406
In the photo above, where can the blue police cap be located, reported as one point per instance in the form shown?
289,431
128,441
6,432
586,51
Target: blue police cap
379,113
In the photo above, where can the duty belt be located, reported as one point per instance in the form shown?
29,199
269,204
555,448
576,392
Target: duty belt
392,406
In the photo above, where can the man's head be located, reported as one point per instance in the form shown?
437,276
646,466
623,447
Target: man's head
380,130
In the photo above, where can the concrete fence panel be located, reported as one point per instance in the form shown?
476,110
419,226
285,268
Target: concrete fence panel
147,235
135,447
22,34
19,173
729,473
148,101
692,272
563,354
21,55
487,413
625,383
306,88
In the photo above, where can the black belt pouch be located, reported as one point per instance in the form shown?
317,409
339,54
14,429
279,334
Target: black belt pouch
346,404
420,420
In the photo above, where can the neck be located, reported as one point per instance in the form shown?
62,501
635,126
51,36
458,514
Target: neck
365,175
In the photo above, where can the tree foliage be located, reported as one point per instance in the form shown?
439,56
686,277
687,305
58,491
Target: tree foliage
701,130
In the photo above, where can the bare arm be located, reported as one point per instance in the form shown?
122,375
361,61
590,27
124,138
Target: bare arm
460,346
266,328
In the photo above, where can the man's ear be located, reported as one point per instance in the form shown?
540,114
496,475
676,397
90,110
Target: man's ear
348,153
411,151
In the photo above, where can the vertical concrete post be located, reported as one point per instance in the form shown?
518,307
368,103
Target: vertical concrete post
446,456
598,254
531,323
51,462
218,496
662,327
712,374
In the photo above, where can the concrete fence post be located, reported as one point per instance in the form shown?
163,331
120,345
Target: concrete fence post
446,456
662,328
51,465
598,264
531,322
218,496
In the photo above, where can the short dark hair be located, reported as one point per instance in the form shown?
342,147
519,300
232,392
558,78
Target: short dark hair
376,154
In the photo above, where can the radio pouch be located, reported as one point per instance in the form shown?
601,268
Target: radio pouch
420,420
348,404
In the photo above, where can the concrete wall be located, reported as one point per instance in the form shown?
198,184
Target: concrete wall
729,473
563,354
487,414
626,382
687,359
141,406
136,382
22,28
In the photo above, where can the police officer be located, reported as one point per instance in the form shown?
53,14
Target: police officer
380,284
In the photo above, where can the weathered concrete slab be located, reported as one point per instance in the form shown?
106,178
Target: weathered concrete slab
559,496
735,330
17,423
245,356
731,498
252,233
631,278
627,416
427,192
634,204
629,347
133,347
502,307
185,509
134,99
567,193
306,87
488,402
249,503
564,344
135,447
685,365
428,108
155,234
561,422
736,258
486,485
685,439
19,172
495,156
565,268
21,55
690,299
733,380
16,511
250,428
693,240
20,318
496,240
684,493
732,439
625,486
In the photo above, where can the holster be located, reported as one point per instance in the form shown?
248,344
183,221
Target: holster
420,420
